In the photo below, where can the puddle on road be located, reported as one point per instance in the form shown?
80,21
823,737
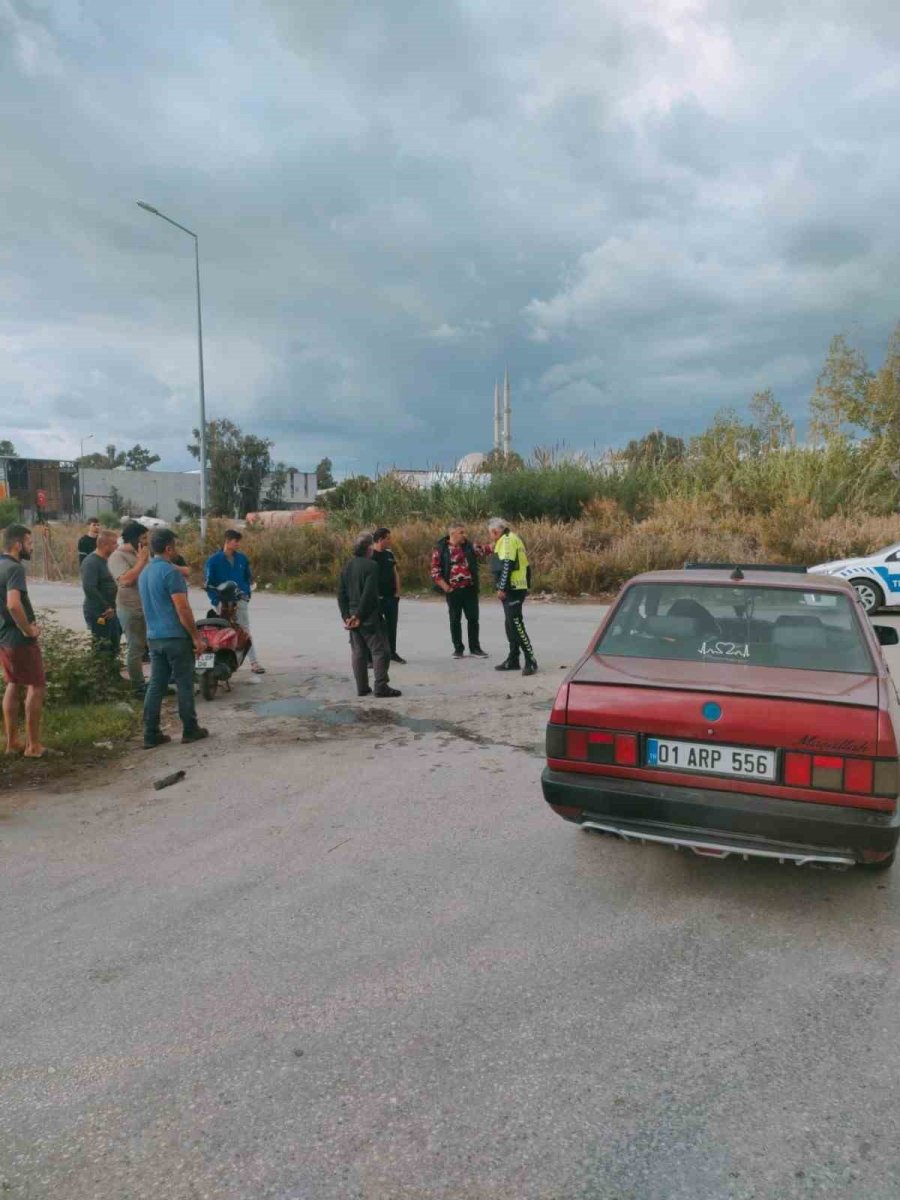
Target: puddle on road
312,710
300,706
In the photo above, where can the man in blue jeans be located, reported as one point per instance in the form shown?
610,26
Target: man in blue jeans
173,640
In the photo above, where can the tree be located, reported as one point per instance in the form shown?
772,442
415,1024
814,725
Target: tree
110,461
188,511
881,418
726,442
7,449
653,449
117,503
324,477
139,459
776,429
497,462
237,463
278,480
841,390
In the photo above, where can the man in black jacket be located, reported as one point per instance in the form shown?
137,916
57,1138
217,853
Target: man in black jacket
454,569
359,604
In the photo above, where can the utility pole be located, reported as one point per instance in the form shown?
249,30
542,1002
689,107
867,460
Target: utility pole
203,468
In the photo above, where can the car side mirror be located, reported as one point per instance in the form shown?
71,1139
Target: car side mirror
887,635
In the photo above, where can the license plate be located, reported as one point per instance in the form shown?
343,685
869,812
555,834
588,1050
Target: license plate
206,662
705,758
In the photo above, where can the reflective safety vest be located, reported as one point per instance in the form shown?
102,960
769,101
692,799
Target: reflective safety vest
511,548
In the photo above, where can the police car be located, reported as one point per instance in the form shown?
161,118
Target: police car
876,578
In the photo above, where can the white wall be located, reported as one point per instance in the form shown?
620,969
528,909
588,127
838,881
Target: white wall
140,490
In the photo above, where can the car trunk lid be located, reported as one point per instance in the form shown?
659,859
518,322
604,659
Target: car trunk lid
823,711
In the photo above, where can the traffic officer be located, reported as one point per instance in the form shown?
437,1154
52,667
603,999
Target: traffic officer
512,576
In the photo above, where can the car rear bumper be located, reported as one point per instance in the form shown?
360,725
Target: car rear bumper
721,823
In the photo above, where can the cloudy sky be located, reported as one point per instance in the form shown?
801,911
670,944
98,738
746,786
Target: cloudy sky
647,208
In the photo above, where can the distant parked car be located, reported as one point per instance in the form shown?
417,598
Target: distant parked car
876,577
733,712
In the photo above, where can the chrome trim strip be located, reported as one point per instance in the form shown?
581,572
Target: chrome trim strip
801,858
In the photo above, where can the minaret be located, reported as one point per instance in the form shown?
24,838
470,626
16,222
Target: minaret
507,412
496,418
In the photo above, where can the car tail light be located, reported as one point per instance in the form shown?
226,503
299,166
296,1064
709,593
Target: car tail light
798,770
827,772
592,745
887,782
833,773
859,775
576,744
626,750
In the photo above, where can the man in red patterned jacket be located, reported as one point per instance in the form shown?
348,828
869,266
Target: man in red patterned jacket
454,569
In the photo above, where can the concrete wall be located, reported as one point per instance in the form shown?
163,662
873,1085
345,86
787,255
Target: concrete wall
140,490
300,488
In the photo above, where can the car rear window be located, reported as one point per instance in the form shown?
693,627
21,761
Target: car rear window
746,626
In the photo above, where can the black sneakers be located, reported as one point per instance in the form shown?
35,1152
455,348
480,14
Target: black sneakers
396,658
385,693
194,735
479,653
508,665
530,667
459,654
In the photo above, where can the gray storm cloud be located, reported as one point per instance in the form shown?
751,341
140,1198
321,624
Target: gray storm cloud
647,211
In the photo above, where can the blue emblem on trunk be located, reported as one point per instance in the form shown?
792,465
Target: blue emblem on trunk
712,711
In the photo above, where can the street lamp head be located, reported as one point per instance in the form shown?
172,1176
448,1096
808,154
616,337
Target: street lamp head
149,207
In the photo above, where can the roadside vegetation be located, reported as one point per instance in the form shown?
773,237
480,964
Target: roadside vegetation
88,714
746,488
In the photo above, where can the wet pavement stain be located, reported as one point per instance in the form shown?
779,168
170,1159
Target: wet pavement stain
302,706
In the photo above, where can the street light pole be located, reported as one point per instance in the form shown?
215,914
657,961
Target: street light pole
203,493
81,473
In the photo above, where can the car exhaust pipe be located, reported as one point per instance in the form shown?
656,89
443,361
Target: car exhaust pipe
800,858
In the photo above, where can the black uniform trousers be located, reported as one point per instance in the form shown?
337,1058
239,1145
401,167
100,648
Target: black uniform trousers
459,601
516,633
390,611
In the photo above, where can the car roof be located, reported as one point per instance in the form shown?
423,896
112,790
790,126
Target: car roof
773,579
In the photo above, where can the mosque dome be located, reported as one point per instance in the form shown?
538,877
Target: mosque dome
471,464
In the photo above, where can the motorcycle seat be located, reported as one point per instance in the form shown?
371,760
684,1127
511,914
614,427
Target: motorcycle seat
213,623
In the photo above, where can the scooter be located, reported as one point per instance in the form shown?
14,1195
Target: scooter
226,644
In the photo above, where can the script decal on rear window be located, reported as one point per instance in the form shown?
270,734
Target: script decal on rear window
724,650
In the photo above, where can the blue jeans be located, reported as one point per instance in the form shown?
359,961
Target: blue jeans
170,658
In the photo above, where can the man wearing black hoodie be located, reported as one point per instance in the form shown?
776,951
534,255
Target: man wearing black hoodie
361,611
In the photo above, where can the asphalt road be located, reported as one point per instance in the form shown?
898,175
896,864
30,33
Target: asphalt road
352,957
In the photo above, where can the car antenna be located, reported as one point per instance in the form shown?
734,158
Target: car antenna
737,574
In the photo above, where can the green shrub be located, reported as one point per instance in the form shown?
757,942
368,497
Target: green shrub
10,512
109,520
559,492
75,673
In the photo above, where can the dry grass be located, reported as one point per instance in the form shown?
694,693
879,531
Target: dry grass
591,556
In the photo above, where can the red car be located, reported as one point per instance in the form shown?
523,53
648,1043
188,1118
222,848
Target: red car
733,711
